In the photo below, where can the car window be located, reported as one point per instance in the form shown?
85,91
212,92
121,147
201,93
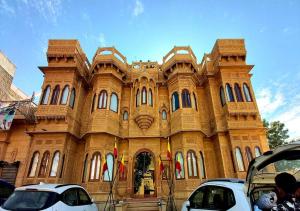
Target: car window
69,197
30,200
196,199
84,199
218,198
5,191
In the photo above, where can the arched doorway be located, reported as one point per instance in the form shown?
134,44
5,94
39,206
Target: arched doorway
144,174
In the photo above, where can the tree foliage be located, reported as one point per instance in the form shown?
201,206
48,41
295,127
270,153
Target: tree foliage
142,163
276,133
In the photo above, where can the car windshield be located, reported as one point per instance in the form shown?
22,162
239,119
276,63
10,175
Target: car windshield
30,200
290,166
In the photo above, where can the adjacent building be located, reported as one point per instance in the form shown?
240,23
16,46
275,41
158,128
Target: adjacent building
206,110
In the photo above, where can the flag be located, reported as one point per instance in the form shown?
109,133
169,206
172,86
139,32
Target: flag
122,165
161,165
104,167
115,150
178,166
169,151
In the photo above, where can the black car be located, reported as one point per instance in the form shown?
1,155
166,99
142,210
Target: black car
6,189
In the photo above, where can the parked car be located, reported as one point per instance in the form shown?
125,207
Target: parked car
65,197
6,189
234,194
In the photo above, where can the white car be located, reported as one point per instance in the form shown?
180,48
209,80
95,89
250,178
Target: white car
234,194
54,197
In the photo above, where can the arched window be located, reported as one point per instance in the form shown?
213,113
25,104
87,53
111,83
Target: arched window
45,96
195,101
229,93
222,96
93,103
95,166
114,102
238,93
249,154
55,95
110,165
202,166
186,99
247,93
64,96
257,151
175,101
164,115
44,164
179,158
150,98
125,116
54,166
72,98
85,163
137,98
144,95
62,166
192,164
33,164
239,159
102,100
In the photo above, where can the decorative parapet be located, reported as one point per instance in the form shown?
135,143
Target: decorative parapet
176,55
68,53
110,55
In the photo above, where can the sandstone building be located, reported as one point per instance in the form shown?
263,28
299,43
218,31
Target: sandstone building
207,110
8,91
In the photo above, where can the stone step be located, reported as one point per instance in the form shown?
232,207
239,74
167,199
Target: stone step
145,205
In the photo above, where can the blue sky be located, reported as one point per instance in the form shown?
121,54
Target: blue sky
148,29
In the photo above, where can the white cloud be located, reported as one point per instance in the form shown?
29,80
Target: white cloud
6,8
138,8
267,102
48,9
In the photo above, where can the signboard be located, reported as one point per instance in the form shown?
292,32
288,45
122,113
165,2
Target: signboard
7,114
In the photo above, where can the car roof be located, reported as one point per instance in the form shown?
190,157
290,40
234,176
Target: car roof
229,183
58,188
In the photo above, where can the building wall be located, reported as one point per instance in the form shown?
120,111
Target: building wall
206,127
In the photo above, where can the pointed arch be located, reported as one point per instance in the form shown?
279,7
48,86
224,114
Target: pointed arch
144,95
192,164
222,96
55,95
195,101
202,166
54,165
93,103
45,96
239,159
137,98
179,157
150,96
186,99
257,151
64,95
110,165
164,114
175,101
95,167
33,164
114,102
238,92
249,154
125,116
84,171
247,93
229,93
102,100
44,164
72,98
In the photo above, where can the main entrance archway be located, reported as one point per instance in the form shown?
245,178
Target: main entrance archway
144,174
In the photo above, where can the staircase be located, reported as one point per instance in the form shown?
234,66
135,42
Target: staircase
146,204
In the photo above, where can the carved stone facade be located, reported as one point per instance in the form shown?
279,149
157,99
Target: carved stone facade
207,110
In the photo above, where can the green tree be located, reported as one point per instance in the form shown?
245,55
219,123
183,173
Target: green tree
276,133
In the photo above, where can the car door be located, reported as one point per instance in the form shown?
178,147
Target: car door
212,197
69,201
84,201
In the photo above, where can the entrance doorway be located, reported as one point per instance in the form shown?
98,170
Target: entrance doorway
143,175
